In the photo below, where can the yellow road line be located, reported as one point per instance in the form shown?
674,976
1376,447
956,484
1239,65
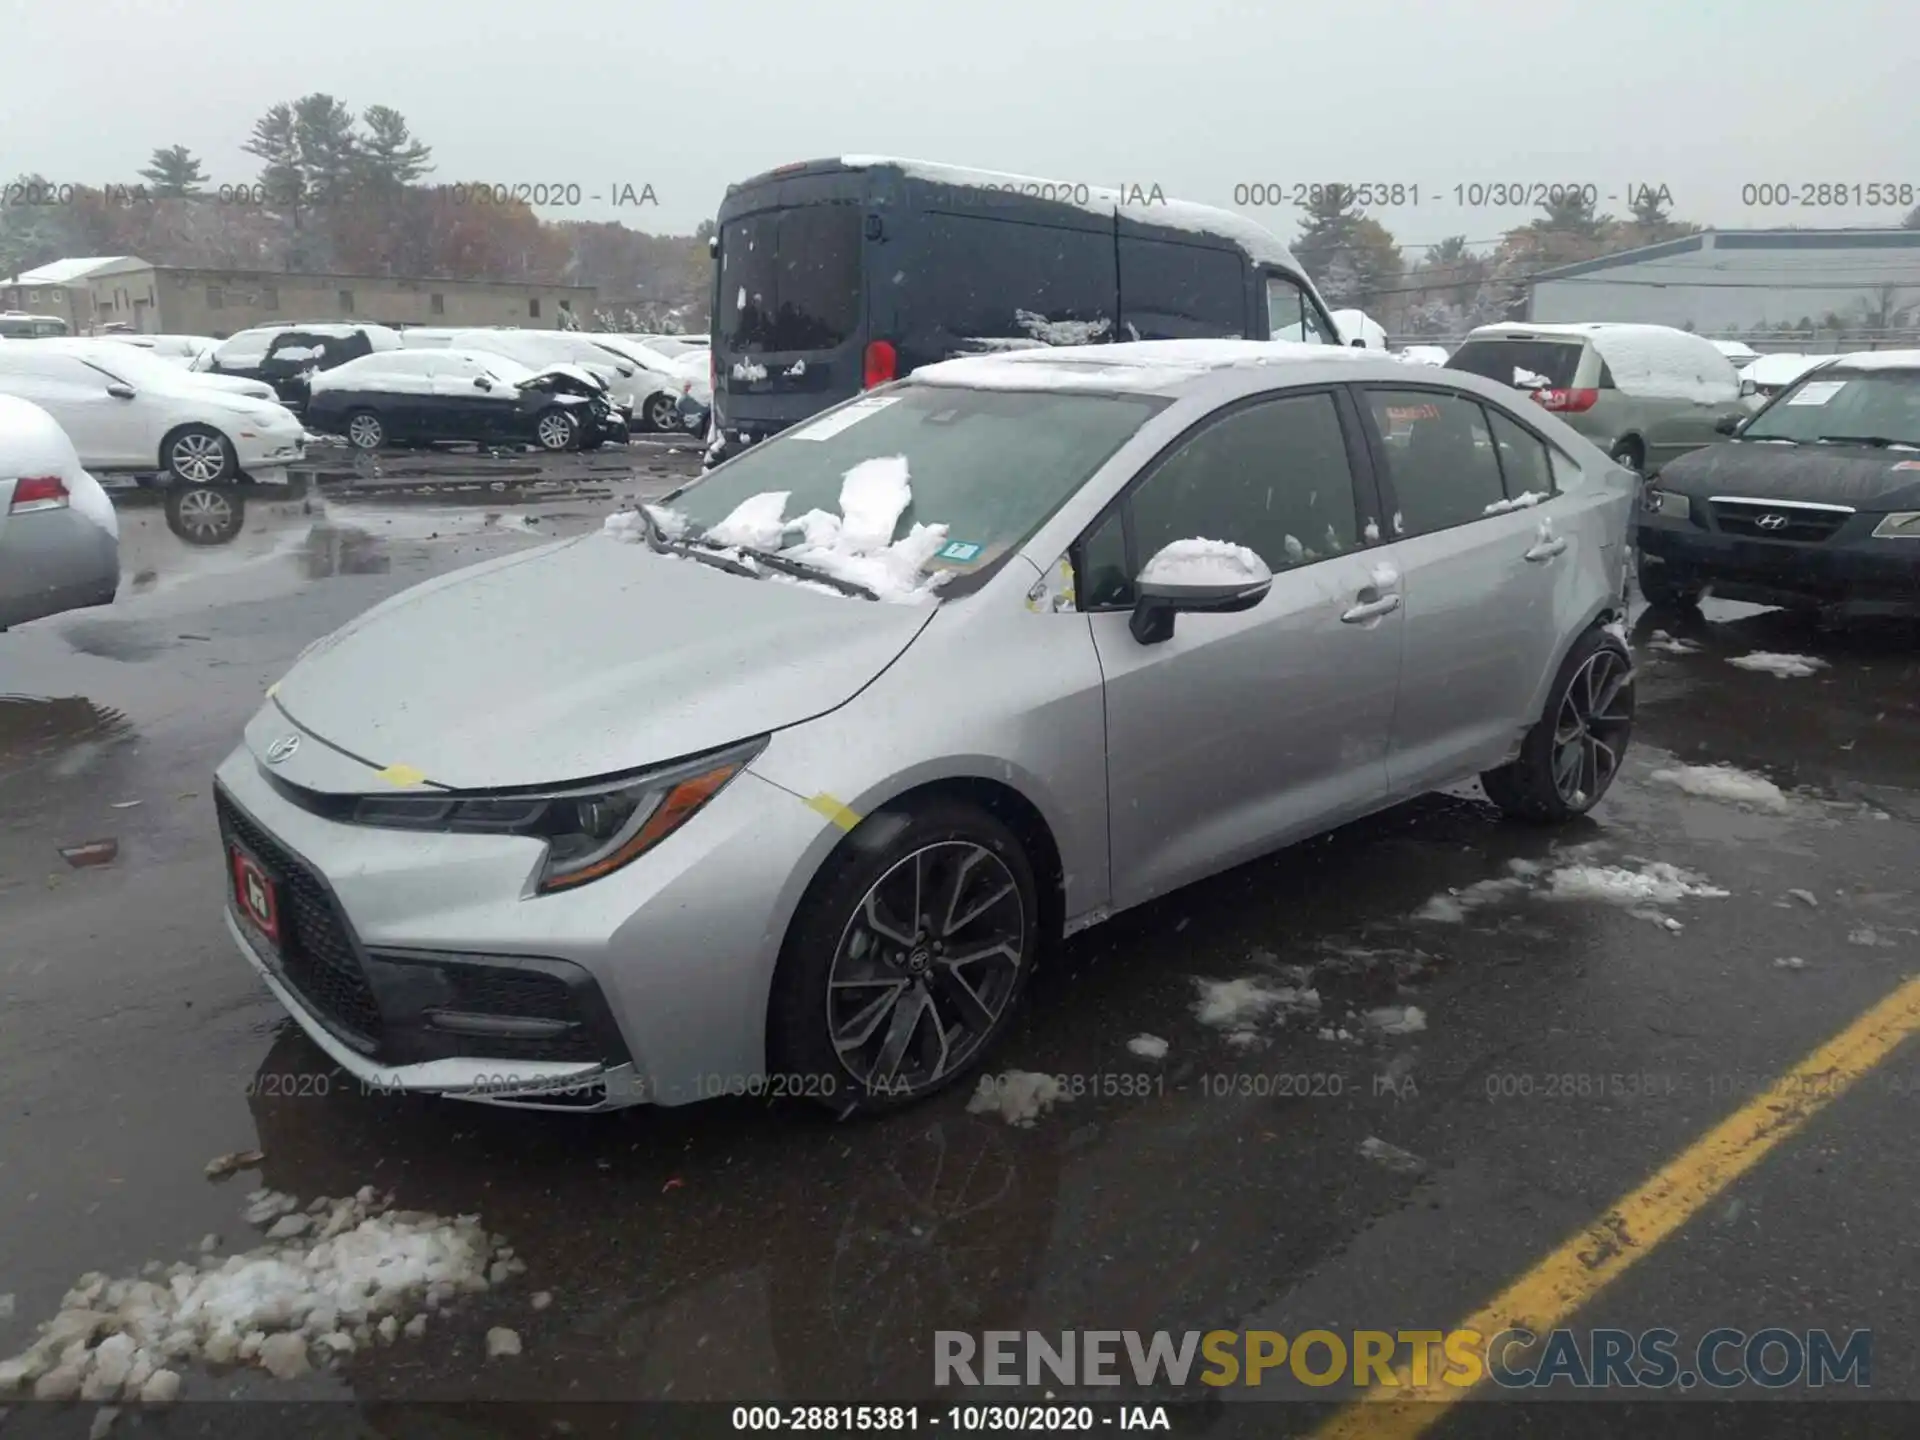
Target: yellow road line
1549,1294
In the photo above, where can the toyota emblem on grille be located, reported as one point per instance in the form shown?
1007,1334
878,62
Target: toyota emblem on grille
282,748
1772,522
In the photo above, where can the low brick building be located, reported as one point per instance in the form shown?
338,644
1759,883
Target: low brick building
123,291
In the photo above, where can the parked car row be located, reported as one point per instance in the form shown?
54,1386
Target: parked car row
424,396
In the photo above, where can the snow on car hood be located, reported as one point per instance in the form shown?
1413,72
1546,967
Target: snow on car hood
1824,474
583,659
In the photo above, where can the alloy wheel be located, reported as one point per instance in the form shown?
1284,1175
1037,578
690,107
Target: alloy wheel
663,413
364,432
554,432
1590,727
199,458
925,967
205,512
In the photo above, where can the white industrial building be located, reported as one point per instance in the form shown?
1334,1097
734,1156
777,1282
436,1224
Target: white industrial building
1722,282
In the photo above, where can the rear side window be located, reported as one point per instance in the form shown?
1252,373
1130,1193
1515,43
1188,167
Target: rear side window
980,278
1170,291
1273,477
790,279
1524,364
1440,458
1523,458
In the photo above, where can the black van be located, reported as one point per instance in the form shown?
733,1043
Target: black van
832,276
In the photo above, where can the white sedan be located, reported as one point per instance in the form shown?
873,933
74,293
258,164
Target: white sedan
179,350
131,413
138,364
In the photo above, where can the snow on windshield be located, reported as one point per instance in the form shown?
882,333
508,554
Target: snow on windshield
1204,562
856,545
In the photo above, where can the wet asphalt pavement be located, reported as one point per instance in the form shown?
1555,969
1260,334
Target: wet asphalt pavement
739,1249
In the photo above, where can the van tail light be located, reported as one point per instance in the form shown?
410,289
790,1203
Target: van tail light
39,492
1566,402
880,363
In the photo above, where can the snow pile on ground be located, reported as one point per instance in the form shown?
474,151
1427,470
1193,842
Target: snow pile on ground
1453,907
1205,562
1391,1156
1020,1097
1148,1047
1654,883
1398,1019
1236,1007
1725,782
336,1276
1661,640
1782,667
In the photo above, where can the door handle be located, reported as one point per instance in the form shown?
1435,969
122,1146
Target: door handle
1371,610
1546,550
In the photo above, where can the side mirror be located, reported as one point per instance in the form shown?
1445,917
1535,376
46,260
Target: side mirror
119,391
1729,424
1201,577
1747,387
481,382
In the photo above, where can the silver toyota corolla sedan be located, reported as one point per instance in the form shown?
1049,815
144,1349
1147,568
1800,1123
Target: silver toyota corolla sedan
782,785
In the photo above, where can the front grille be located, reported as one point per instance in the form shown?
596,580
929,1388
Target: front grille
1802,524
316,956
524,994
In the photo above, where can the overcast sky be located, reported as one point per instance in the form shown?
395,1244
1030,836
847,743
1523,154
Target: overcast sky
1196,96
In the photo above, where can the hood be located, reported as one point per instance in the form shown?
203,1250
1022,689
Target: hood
583,659
233,384
1855,475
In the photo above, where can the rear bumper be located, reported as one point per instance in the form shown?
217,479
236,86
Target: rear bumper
53,561
1852,571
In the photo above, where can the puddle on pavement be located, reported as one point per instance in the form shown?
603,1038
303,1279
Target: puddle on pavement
342,550
64,733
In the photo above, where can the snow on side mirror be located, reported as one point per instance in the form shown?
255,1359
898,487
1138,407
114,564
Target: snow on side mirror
1211,577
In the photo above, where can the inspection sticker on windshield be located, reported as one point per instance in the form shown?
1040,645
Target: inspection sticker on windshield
962,550
827,426
1817,392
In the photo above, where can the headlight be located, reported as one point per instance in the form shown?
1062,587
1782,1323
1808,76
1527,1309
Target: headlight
1665,502
1901,525
590,830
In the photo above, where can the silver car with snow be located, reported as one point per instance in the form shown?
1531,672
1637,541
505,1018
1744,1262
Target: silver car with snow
784,785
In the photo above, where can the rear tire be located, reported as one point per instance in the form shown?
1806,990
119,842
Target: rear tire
366,431
1572,754
661,414
942,993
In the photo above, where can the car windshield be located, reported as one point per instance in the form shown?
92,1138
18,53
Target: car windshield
249,347
1526,364
987,466
790,279
1838,405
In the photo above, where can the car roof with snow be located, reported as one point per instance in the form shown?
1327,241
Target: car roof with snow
1877,360
1164,367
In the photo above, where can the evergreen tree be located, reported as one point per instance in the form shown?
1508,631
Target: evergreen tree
1571,213
389,155
1351,257
174,173
275,143
327,145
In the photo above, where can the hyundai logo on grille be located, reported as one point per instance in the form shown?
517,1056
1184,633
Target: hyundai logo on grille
282,748
1772,522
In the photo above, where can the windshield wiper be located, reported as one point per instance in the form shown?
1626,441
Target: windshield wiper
801,569
1879,442
660,545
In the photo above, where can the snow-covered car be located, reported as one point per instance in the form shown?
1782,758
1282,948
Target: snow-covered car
697,796
181,350
1643,393
1738,351
1774,372
1360,330
59,536
1423,354
292,355
630,388
687,374
137,362
423,396
125,411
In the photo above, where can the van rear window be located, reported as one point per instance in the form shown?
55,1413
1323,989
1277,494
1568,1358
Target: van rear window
790,279
1554,361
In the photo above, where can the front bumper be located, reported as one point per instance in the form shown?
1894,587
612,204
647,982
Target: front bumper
1850,570
270,449
661,971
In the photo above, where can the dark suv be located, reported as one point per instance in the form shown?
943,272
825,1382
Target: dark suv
286,357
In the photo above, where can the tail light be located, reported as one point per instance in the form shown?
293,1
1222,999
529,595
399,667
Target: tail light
880,363
1570,402
39,492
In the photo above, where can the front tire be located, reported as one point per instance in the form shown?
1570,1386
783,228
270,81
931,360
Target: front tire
556,430
199,455
1630,453
1572,754
1662,589
906,960
661,413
